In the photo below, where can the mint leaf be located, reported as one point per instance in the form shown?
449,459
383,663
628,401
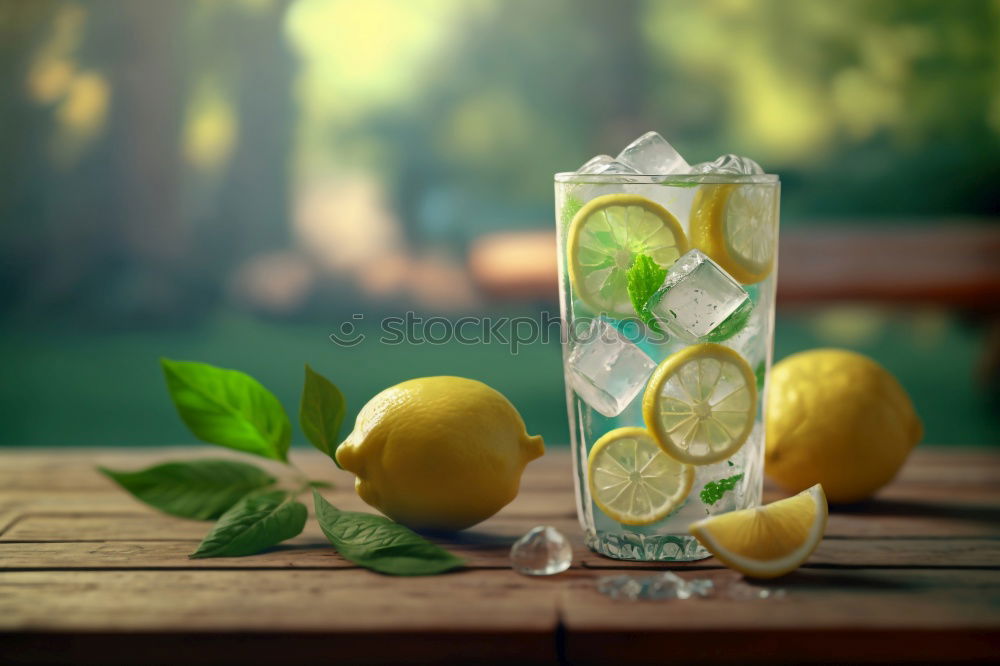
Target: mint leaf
321,484
571,206
379,544
197,489
228,408
256,522
321,412
643,279
714,490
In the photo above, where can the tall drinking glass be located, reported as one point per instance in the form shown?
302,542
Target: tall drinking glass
667,287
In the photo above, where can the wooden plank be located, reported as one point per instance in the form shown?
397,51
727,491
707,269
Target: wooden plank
491,616
264,647
927,523
859,553
139,555
146,541
164,542
342,600
149,525
824,616
952,263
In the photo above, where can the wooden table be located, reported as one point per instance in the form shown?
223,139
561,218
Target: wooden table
90,576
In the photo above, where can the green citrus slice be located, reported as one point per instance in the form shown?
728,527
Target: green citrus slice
632,480
700,403
605,237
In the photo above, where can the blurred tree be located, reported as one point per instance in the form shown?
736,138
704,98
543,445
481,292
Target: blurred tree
132,221
147,145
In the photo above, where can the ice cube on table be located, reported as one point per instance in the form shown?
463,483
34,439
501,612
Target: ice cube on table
659,587
700,301
605,164
729,164
651,154
543,551
605,369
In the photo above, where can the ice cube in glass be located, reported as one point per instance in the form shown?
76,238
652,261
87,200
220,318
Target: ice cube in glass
700,301
607,370
729,164
604,164
651,154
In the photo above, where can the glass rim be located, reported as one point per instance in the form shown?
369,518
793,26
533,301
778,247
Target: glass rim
665,179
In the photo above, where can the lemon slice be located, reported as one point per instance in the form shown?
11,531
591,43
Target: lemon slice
737,226
767,541
604,238
700,403
632,480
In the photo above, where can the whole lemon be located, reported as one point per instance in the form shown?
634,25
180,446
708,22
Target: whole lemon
837,418
438,452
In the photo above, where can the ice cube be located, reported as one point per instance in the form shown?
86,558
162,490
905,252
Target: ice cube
651,154
543,551
606,370
605,164
751,342
729,164
666,585
700,301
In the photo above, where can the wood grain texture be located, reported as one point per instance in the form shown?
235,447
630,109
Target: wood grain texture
88,575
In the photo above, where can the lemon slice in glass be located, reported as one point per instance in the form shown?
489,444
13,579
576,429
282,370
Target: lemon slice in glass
700,403
737,226
767,541
604,238
632,480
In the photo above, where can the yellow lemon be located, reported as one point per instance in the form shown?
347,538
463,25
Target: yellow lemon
700,403
438,452
737,226
605,237
837,418
632,480
767,541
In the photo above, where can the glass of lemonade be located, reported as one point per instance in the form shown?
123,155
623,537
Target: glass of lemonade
667,286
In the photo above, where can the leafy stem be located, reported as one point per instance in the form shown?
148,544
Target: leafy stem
254,511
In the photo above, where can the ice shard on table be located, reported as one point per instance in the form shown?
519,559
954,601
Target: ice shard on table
543,551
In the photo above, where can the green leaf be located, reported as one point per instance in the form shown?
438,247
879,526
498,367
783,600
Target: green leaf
379,544
228,408
571,206
321,412
321,484
714,490
643,279
256,522
198,489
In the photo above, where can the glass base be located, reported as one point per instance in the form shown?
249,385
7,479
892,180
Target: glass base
640,548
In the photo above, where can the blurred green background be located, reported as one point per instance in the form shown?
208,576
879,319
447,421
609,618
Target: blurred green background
229,181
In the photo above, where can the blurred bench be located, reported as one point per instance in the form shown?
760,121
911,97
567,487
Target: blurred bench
951,266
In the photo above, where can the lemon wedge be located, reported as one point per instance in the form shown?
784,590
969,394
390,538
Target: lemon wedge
767,541
700,403
604,239
632,480
737,226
